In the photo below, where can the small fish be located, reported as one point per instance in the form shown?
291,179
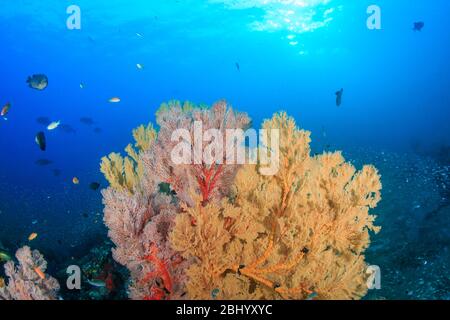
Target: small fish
56,172
87,121
40,140
139,35
53,125
34,222
43,162
94,186
67,128
215,293
32,236
75,180
43,121
238,67
38,81
4,256
139,66
2,283
312,295
339,97
85,215
96,283
98,130
114,100
418,26
81,85
5,110
39,273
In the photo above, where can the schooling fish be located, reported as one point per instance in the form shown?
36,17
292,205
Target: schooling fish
97,283
40,140
114,100
87,121
43,162
94,186
32,236
5,110
339,97
43,121
53,125
38,81
67,128
418,26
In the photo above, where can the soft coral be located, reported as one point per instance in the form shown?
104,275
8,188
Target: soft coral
160,271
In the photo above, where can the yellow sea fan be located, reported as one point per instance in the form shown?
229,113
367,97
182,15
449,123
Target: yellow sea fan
298,234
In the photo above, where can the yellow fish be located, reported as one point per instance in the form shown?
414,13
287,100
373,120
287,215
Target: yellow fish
114,100
32,236
53,125
2,282
75,180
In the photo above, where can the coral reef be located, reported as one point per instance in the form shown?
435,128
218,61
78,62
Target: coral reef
296,235
217,230
123,173
140,215
27,280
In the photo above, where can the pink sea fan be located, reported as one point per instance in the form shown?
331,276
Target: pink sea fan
140,222
210,181
138,226
27,280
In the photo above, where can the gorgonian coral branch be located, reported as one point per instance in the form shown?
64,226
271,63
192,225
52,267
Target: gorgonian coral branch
27,280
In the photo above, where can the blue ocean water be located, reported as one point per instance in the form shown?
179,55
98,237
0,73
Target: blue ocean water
292,55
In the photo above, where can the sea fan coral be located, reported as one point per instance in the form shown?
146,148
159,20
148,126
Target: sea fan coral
296,235
218,230
144,197
27,280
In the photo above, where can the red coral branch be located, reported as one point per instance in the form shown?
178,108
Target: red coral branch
161,271
207,180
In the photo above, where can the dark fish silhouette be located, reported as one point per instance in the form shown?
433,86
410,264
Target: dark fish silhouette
45,121
98,130
94,186
87,121
418,26
56,172
67,128
38,81
238,67
43,162
339,97
40,140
